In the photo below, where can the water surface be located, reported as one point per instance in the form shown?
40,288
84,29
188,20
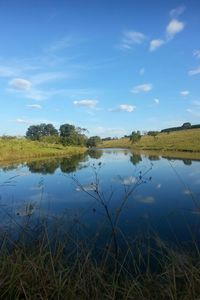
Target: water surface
164,194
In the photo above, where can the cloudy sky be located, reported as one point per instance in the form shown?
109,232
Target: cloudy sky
111,66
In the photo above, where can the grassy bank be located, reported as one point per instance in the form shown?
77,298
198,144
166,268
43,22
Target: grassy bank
16,149
43,271
181,141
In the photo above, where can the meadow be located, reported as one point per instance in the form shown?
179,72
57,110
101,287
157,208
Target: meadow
13,149
177,141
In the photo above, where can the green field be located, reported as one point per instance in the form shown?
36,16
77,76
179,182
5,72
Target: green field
177,141
16,149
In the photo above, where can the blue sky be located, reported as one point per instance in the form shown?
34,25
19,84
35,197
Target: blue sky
109,66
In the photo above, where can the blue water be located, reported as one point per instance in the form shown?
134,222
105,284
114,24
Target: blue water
164,194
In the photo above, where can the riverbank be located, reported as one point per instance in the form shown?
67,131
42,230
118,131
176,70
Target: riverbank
185,141
17,149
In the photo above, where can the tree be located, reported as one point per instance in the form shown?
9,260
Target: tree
135,136
93,141
186,125
35,132
66,130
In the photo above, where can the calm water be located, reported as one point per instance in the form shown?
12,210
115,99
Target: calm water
165,192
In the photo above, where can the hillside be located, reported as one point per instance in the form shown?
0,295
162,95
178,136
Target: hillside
185,140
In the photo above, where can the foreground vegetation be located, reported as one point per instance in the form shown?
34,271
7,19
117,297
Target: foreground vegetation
45,268
16,149
185,141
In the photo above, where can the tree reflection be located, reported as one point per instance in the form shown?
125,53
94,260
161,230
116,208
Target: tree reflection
44,166
66,164
71,164
95,153
153,157
135,159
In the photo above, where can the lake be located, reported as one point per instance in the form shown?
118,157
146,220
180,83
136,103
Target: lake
141,192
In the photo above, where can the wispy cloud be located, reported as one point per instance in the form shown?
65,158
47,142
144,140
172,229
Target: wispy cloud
194,71
156,101
142,88
184,93
172,29
196,53
6,71
86,103
47,77
23,121
131,38
123,108
155,44
61,44
127,108
142,71
109,131
20,84
176,12
34,106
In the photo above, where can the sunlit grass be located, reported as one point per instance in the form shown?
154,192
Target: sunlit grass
16,149
185,140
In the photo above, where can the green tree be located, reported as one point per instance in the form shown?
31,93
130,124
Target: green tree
135,136
93,141
35,132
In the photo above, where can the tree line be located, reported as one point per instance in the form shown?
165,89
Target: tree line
66,135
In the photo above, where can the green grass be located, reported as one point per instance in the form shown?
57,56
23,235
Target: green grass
17,149
180,141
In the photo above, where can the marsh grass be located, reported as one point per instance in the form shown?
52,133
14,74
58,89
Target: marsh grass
19,148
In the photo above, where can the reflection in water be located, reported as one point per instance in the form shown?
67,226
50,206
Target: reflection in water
95,153
66,164
187,162
43,167
135,159
153,157
172,191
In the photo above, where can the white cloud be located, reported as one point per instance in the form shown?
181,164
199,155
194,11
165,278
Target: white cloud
156,100
20,84
86,103
35,106
174,27
146,87
194,71
184,93
196,53
154,44
132,37
127,108
177,11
